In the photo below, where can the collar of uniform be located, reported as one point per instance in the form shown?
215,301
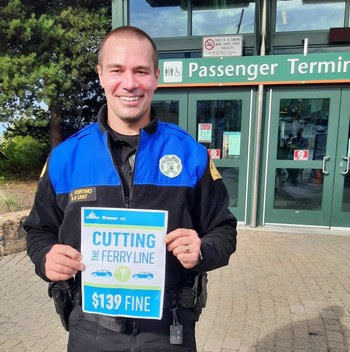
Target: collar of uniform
151,128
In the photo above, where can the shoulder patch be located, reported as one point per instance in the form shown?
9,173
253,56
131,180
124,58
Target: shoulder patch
215,174
170,165
43,170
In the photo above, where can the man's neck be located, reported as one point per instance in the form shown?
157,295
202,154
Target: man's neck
126,128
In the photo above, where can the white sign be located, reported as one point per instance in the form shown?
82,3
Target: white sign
124,256
204,132
230,45
172,71
231,144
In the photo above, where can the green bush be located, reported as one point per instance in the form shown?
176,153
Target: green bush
25,155
8,203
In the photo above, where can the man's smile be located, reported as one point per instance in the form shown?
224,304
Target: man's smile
128,98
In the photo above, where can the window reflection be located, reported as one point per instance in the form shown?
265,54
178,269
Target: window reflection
303,127
160,18
301,15
224,17
298,189
219,127
170,18
167,110
230,177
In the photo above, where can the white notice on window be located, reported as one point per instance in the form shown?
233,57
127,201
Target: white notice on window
231,144
204,132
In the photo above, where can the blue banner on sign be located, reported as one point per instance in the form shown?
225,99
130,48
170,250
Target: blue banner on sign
122,302
124,217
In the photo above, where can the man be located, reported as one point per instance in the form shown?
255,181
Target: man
120,161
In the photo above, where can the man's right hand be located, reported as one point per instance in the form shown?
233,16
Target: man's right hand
62,262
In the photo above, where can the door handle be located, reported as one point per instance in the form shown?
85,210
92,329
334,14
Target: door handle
347,159
324,165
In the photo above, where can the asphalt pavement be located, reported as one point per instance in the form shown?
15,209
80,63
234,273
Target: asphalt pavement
285,290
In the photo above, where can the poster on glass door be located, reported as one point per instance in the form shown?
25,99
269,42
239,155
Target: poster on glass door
205,132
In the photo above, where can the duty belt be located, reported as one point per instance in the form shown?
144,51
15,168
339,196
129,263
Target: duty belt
112,323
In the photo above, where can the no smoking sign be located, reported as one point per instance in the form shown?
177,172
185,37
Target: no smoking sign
301,154
209,44
214,153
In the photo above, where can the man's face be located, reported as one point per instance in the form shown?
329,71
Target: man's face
126,73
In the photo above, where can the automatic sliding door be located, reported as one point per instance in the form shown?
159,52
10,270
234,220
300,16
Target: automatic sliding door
302,132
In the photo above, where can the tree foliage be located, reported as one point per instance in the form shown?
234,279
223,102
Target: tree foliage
24,155
35,126
48,53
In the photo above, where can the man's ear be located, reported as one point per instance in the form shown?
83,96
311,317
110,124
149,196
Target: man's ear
99,72
157,74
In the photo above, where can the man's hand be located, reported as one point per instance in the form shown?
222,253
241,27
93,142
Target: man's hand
62,262
185,245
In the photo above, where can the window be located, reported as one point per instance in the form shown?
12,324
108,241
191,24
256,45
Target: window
174,18
160,18
304,15
223,18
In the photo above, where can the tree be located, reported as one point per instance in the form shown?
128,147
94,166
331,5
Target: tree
35,126
48,53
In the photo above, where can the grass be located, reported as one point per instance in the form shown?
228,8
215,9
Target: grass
8,203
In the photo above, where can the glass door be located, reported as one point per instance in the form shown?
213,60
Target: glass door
171,106
302,128
341,194
221,122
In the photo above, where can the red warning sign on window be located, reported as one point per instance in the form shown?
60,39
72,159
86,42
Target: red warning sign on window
301,154
214,153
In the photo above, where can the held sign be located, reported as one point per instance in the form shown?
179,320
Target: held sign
124,256
301,155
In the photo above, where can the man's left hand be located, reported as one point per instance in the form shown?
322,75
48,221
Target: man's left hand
185,245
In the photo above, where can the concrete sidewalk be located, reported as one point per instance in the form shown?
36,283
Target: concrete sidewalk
284,290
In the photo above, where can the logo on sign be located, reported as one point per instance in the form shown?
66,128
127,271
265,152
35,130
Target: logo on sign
301,154
172,71
209,44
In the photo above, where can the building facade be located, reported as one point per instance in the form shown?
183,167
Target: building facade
265,86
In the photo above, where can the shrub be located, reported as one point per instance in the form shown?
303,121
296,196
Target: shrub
25,155
8,203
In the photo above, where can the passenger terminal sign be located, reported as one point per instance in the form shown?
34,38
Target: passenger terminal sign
124,255
253,70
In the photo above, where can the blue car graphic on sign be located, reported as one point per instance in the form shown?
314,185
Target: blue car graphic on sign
143,275
103,273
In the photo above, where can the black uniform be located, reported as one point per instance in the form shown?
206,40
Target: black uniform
165,169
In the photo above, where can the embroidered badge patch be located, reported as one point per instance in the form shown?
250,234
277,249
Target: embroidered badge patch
215,174
83,194
170,165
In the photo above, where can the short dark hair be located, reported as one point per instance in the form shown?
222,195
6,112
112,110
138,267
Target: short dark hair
132,31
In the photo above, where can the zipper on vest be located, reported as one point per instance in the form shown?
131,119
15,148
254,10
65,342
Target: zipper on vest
127,202
125,198
131,190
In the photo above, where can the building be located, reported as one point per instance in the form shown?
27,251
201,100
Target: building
265,86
